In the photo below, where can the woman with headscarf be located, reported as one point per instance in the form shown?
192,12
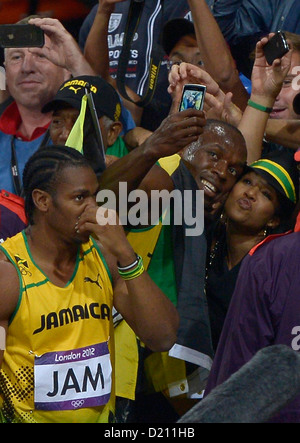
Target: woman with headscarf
261,203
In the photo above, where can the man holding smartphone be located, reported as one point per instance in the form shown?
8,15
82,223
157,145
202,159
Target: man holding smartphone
107,22
244,22
32,81
211,163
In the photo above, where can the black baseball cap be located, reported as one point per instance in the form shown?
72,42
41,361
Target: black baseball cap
174,30
106,99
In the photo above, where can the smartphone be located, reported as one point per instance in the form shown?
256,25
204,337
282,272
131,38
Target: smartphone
276,47
192,97
21,36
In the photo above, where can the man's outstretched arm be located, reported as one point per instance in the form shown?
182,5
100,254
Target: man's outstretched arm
175,133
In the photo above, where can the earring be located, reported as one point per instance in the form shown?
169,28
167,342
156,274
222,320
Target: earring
223,219
265,233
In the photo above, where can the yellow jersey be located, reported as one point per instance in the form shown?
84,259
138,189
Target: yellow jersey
58,363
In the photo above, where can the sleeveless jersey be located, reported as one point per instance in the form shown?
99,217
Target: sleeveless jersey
57,365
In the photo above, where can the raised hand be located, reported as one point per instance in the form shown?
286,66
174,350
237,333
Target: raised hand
60,47
267,80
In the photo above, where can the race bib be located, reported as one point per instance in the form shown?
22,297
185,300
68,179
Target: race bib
75,379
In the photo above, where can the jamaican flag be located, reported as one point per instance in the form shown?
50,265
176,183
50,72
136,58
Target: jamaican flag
86,136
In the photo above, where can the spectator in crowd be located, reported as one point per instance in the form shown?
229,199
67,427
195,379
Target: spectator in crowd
32,81
108,20
259,205
181,45
81,280
132,134
244,22
179,42
263,312
283,126
274,105
66,107
218,60
33,77
268,90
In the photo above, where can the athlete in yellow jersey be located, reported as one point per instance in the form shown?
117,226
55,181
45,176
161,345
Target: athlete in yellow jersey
57,292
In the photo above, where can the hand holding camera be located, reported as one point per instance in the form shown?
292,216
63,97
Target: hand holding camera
21,36
267,79
276,47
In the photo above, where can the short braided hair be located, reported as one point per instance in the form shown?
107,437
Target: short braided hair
42,171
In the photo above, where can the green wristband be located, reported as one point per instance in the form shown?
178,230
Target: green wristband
136,269
259,107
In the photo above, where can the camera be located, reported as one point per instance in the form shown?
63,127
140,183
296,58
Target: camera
276,47
21,36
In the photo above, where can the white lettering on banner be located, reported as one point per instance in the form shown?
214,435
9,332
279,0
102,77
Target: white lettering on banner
117,40
74,379
296,341
188,208
296,79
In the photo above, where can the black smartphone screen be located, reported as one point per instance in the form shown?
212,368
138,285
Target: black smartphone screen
277,47
21,36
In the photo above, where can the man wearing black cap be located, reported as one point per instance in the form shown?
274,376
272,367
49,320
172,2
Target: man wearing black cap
66,107
32,81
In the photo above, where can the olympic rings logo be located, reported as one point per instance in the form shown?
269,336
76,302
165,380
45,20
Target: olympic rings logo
77,404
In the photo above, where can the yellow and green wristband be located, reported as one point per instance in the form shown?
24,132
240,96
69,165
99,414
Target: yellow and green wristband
132,271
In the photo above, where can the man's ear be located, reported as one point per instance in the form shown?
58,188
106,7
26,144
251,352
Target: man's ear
41,200
114,132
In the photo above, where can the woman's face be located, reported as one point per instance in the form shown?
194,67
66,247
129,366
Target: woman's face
252,203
